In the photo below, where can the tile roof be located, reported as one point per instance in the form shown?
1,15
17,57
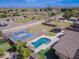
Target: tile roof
68,43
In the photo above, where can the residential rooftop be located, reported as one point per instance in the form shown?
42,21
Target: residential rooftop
69,44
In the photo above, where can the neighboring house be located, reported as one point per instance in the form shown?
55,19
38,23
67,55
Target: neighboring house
13,18
68,46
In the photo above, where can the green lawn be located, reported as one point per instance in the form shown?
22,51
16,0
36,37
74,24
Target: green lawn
38,17
51,33
41,54
4,45
59,24
48,54
24,20
40,28
62,24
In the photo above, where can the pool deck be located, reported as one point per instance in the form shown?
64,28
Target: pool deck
43,46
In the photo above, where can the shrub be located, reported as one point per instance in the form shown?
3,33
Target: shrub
24,53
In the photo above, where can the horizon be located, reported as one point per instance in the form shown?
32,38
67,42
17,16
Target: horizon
38,3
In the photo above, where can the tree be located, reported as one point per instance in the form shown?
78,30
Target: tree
76,15
22,10
63,9
16,14
14,47
24,52
67,14
49,9
72,12
17,46
3,15
50,13
10,10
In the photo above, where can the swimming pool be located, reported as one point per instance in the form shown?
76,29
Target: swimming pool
40,41
21,35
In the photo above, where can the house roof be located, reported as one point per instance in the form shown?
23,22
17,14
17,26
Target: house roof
69,44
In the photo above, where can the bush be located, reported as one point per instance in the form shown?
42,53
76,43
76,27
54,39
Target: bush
24,53
17,46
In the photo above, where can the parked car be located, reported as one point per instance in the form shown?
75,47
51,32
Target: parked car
3,24
56,30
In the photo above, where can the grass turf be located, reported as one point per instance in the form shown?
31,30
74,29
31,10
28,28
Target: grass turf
62,24
4,45
40,28
24,20
48,54
41,53
51,33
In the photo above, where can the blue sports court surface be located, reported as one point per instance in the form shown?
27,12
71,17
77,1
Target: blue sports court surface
21,35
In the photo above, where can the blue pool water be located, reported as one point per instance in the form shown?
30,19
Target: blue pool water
21,35
40,41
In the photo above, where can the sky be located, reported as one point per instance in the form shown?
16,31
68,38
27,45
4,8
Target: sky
38,3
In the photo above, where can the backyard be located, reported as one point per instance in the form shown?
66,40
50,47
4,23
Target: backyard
50,53
46,29
42,29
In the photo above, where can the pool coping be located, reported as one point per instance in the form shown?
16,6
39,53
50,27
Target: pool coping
53,39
